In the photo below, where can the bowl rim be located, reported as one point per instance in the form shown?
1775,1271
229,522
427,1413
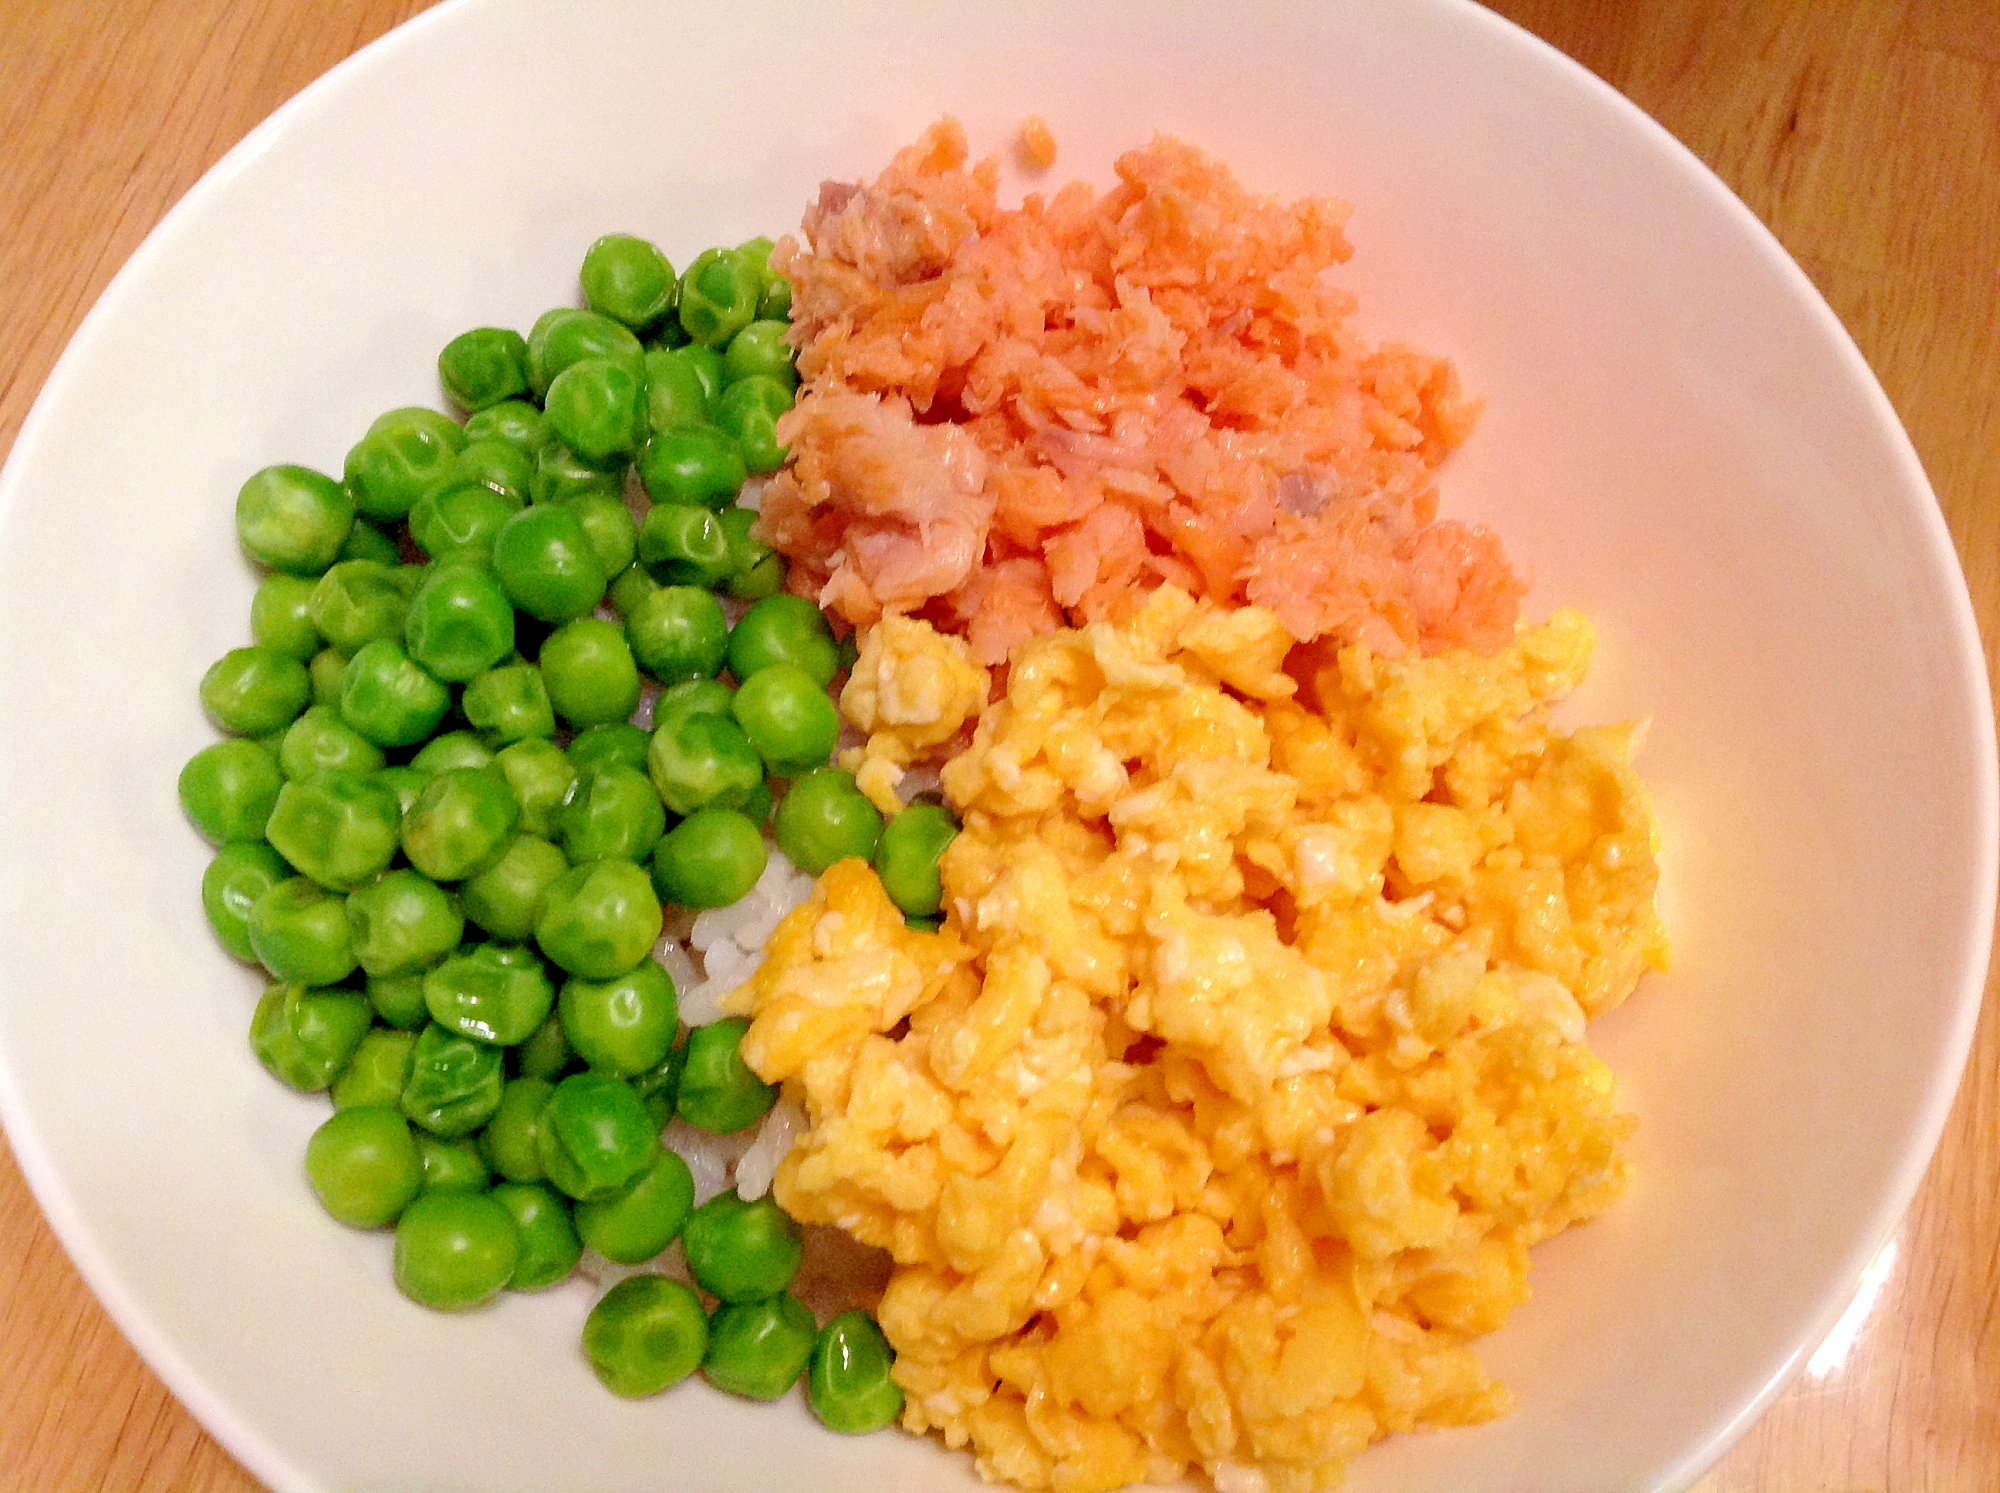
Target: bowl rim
270,1464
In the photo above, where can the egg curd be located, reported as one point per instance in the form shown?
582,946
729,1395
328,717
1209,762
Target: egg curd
1219,1117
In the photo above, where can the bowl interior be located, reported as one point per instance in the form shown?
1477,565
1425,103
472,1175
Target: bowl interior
1679,439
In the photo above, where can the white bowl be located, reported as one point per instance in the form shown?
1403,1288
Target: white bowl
1679,438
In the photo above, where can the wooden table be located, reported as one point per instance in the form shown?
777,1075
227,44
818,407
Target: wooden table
1866,133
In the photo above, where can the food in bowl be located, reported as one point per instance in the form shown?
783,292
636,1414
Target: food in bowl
1204,1063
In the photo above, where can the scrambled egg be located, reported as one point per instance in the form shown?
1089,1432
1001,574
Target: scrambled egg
912,689
1221,1114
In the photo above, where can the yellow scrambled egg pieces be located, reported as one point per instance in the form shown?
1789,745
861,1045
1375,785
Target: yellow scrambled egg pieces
1221,1114
912,690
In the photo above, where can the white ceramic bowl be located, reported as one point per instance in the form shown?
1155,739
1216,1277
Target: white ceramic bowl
1679,438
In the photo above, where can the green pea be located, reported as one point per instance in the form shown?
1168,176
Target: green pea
401,923
364,1165
659,1085
761,351
254,691
788,718
399,1001
451,1165
515,421
389,697
675,391
783,630
366,542
281,616
404,452
506,896
678,702
460,624
847,1379
646,1334
922,925
455,1250
229,788
619,744
745,418
907,857
497,465
377,1073
756,253
327,669
628,280
609,526
561,476
637,1222
450,750
339,828
494,993
509,704
693,464
718,1092
678,632
776,302
742,1251
823,818
544,561
589,672
614,811
481,367
541,775
596,1138
684,546
568,335
358,601
758,1349
707,365
710,859
631,586
623,1026
319,741
241,872
756,571
719,295
757,807
549,1245
599,920
598,409
701,761
510,1142
546,1054
455,1083
459,823
293,519
304,1035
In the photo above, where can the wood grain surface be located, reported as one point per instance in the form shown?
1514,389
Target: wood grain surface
1866,133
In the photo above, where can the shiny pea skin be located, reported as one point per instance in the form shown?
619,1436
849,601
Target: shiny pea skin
645,1335
659,1085
677,633
710,859
544,561
228,789
759,1349
401,923
449,750
907,857
631,586
697,465
741,1250
455,1250
561,476
404,452
598,409
455,1083
623,1026
399,1001
298,931
746,416
365,541
242,871
281,616
546,1054
510,1141
612,812
718,1091
824,818
596,1137
629,280
460,624
703,761
549,1245
459,519
719,295
324,674
784,629
588,670
451,1165
847,1379
609,526
319,742
599,920
389,697
358,601
515,421
293,519
788,718
364,1166
568,335
506,897
675,392
304,1035
481,367
339,828
377,1072
683,544
634,1224
492,993
459,823
618,744
760,350
541,775
509,704
254,691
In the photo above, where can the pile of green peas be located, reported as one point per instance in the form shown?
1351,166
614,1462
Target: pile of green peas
441,834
